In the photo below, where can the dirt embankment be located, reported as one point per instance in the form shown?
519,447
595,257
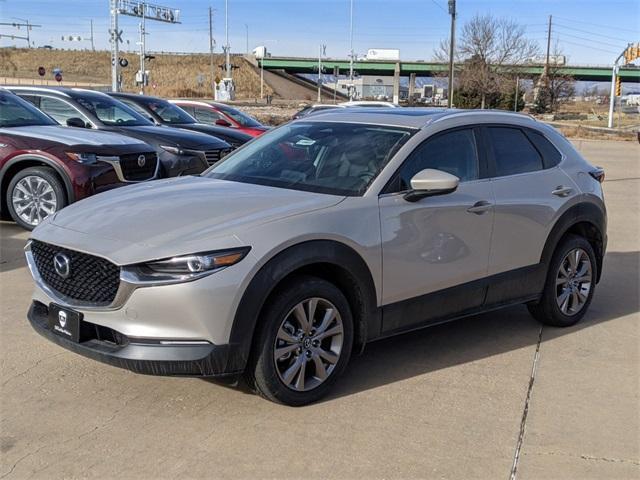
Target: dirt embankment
171,75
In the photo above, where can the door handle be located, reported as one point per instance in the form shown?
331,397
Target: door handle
479,207
562,191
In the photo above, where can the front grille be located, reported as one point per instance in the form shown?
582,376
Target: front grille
91,279
131,169
214,156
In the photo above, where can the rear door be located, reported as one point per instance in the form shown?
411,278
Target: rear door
529,190
435,250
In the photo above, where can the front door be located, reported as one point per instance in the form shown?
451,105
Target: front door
435,250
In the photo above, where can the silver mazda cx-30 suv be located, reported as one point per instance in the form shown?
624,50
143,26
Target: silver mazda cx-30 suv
318,237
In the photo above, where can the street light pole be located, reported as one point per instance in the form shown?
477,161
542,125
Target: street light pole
452,12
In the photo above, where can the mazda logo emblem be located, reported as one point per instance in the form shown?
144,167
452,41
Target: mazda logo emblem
62,265
142,160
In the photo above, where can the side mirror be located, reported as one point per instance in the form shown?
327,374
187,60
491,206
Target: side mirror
76,122
430,182
222,123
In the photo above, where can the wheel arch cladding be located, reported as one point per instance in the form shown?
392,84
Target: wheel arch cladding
330,260
584,219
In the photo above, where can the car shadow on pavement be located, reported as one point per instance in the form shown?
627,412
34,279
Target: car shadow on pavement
474,338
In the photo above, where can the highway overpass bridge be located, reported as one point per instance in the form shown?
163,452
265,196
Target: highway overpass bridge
428,69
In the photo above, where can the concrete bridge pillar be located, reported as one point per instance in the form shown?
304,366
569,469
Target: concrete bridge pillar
412,87
396,83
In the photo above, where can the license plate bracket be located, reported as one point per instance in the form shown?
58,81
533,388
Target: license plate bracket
65,322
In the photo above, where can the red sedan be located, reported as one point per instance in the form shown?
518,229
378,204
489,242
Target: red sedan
223,115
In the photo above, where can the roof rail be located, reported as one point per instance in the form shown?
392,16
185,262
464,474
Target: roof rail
453,113
37,89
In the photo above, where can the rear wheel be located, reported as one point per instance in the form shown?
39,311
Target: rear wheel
34,194
304,343
570,284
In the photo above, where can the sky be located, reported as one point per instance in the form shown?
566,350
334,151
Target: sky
588,32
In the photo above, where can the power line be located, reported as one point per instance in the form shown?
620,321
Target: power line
599,42
591,33
440,6
610,27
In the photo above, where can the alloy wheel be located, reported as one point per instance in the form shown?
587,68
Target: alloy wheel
308,344
34,199
573,281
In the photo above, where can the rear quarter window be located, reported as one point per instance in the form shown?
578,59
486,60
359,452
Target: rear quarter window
550,154
513,152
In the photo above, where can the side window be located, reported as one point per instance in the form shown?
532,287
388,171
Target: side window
189,109
31,99
137,108
452,152
550,154
205,115
513,152
59,110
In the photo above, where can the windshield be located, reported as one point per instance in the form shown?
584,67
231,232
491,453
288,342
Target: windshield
242,118
168,112
15,112
334,158
111,112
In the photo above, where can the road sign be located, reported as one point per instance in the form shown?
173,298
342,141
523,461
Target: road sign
41,71
58,77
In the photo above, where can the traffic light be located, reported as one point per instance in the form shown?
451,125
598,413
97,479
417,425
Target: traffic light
618,86
632,53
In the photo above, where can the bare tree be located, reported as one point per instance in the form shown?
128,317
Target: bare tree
488,54
558,87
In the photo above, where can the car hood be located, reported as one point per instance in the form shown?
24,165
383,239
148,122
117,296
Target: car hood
172,217
221,132
175,137
71,136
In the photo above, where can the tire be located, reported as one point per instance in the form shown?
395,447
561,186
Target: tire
566,298
51,196
307,354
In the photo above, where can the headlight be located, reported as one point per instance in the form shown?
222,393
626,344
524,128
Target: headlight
174,150
85,158
183,268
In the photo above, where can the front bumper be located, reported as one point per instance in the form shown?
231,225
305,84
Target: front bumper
142,356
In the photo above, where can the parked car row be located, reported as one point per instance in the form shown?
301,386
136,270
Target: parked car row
43,168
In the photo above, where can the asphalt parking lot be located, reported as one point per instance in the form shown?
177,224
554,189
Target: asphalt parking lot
454,401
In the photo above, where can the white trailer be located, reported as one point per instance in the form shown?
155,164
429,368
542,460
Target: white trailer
383,54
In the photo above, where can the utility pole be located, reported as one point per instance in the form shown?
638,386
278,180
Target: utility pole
351,52
452,49
116,37
211,48
93,47
546,63
143,74
226,33
515,106
321,52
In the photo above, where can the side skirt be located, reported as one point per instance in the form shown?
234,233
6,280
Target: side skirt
517,286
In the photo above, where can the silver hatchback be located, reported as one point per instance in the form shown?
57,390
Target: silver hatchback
318,237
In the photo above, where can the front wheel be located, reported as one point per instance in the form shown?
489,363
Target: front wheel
303,343
570,284
34,194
